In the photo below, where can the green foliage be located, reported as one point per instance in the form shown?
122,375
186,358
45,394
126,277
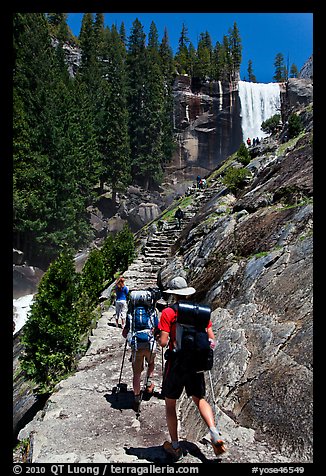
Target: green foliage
63,310
271,125
147,104
51,333
251,76
123,249
221,63
294,72
93,276
112,123
58,27
234,178
295,125
113,134
281,73
243,154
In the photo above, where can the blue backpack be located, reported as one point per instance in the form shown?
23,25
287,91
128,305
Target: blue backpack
143,319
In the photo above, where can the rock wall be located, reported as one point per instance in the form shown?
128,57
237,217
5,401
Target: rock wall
250,257
208,126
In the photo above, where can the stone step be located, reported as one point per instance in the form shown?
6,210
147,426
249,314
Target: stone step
155,246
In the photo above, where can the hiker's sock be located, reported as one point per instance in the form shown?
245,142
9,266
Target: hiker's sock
215,435
175,444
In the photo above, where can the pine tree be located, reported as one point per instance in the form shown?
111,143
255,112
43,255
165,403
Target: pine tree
92,276
145,102
151,153
86,42
204,57
235,50
59,28
153,45
33,83
294,72
167,68
114,138
181,58
225,60
218,60
251,76
51,333
280,75
124,249
73,163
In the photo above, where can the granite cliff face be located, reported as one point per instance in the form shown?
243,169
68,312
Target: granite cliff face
250,257
208,126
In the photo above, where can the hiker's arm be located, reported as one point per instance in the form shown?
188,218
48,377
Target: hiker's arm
163,338
126,328
211,337
210,333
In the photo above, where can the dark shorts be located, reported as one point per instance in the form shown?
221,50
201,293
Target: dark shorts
177,377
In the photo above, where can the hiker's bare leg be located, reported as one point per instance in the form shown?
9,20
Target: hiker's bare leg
171,418
205,411
136,383
207,414
150,369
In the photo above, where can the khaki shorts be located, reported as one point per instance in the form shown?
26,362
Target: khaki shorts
138,359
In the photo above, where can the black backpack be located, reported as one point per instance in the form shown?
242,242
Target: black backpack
193,346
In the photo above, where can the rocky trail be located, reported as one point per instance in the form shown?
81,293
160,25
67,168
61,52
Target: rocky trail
157,244
86,421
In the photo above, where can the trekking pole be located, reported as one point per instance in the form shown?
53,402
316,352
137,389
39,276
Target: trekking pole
212,391
123,359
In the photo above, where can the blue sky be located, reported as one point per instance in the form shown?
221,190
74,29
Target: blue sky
263,35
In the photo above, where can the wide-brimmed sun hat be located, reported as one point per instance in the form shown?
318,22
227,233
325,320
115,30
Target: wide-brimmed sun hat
179,286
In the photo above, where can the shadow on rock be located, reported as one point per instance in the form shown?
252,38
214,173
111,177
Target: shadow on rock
120,400
156,454
193,450
147,396
153,454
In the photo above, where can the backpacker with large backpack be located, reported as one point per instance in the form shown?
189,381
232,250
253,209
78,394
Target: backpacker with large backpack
143,318
192,342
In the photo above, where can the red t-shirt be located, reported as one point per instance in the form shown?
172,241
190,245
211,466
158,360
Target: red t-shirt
167,324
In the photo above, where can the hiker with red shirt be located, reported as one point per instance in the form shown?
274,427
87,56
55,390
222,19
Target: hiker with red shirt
176,378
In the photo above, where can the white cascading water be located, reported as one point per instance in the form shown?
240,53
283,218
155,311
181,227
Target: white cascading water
259,101
22,307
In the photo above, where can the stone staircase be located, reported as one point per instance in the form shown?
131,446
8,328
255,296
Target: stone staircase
156,243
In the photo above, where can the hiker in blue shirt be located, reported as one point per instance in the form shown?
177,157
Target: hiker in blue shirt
121,306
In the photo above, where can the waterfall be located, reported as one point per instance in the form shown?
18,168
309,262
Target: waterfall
259,101
21,307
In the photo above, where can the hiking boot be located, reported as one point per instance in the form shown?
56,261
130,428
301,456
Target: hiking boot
150,389
175,453
218,447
